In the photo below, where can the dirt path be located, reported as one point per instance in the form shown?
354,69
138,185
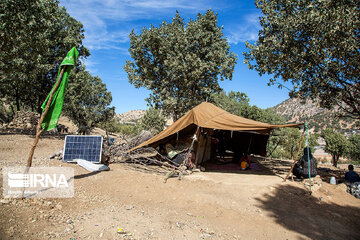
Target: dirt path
206,205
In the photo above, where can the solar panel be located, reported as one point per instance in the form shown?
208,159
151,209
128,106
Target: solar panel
83,147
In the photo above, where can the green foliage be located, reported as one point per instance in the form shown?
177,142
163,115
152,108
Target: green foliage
112,126
153,121
35,36
278,153
87,100
6,115
313,137
291,142
284,143
354,148
238,103
314,45
336,144
233,102
130,130
181,64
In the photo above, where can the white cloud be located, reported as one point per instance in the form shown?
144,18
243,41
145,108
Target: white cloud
107,23
91,65
247,31
162,4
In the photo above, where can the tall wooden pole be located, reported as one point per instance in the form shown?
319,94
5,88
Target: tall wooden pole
38,128
295,159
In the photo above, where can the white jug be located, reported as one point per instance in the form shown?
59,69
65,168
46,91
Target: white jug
333,180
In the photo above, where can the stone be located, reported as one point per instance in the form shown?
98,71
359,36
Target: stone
4,201
129,207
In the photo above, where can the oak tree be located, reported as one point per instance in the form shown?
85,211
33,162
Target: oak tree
336,144
180,63
87,100
314,45
35,36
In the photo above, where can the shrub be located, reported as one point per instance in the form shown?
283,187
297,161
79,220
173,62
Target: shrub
354,149
114,127
153,121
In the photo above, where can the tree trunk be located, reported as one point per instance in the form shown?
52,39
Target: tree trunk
12,110
175,116
17,100
335,160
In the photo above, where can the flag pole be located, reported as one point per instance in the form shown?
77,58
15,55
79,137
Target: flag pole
38,128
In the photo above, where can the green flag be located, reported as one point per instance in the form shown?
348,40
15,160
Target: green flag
51,119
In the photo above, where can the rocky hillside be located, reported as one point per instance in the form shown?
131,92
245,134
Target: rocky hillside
294,110
130,117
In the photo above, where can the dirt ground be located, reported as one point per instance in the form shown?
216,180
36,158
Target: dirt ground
204,205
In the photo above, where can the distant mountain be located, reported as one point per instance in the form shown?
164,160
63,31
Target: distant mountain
130,117
294,110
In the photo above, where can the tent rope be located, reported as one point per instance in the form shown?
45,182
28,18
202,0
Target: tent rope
308,155
307,145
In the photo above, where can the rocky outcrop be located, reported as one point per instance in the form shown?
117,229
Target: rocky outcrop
23,120
130,117
296,110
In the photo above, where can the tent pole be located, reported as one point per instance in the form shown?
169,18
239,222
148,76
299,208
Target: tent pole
203,154
249,145
192,144
38,128
295,159
277,144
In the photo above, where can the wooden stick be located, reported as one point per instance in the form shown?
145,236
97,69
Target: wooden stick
249,146
191,146
38,128
295,159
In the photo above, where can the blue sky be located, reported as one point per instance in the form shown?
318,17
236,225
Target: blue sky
107,24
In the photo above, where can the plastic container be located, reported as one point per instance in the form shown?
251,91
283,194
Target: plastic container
333,180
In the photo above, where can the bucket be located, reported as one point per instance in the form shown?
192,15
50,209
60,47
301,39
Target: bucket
333,180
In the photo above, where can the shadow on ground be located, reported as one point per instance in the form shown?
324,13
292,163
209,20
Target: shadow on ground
294,209
256,168
276,166
282,167
85,175
327,173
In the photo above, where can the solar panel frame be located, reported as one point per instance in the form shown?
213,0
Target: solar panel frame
83,147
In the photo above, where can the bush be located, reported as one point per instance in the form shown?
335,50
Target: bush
130,130
114,127
278,153
6,115
153,121
354,149
110,126
336,144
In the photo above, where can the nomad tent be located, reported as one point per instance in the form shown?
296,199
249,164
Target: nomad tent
208,121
